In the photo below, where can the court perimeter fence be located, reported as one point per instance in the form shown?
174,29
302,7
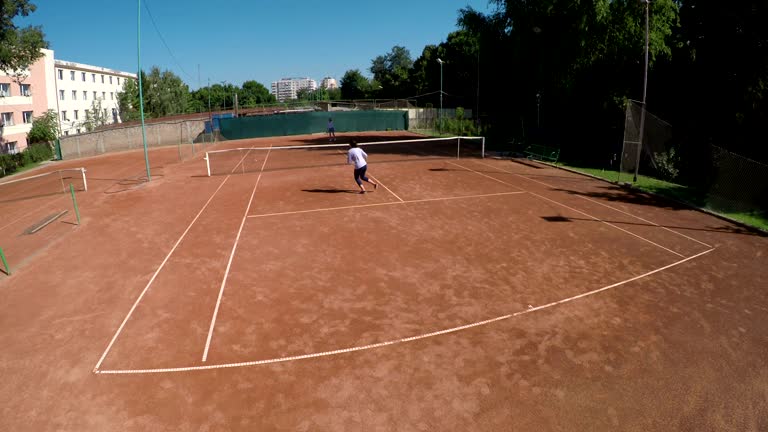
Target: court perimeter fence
187,135
706,176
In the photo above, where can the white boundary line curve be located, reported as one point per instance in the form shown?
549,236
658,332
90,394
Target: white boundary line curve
602,204
396,341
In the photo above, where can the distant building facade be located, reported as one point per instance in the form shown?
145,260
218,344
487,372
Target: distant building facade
286,88
329,83
72,90
81,89
23,96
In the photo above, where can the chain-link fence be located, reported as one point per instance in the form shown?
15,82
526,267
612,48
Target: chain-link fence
706,176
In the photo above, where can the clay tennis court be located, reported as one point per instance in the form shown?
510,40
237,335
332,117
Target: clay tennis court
461,294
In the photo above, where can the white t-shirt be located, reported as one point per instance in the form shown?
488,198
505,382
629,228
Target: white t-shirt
357,156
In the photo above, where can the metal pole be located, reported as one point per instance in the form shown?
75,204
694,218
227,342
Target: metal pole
645,91
5,263
141,95
441,96
74,202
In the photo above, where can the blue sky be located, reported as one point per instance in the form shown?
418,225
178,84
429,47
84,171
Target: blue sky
238,40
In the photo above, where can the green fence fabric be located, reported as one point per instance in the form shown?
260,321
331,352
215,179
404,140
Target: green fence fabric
312,122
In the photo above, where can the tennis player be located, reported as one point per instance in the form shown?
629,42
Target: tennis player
331,130
357,156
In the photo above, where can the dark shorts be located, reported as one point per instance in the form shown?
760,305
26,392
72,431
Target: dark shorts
360,174
331,130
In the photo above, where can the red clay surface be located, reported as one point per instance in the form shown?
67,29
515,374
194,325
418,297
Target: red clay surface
460,295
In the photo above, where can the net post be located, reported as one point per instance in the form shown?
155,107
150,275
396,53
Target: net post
85,182
74,202
61,180
458,147
482,149
208,163
5,262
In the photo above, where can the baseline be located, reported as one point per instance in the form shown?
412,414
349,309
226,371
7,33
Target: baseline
407,339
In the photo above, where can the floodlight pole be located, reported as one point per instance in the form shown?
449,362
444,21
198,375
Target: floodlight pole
141,97
441,94
645,91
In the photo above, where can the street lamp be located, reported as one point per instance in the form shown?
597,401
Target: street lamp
441,93
645,91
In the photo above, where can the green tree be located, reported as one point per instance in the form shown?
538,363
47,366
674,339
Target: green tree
164,93
94,117
253,93
45,128
391,71
354,85
19,47
128,100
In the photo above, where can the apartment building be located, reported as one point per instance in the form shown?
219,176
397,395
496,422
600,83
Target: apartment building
84,93
72,90
329,83
286,88
23,96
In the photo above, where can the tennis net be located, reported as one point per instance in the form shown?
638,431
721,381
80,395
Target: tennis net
258,159
50,183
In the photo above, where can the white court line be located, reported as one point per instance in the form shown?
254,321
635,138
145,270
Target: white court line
375,179
485,175
604,205
384,204
388,189
229,263
152,279
577,211
154,276
646,221
402,340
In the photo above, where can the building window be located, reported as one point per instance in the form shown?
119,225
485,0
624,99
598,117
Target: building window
83,76
102,79
110,79
66,133
93,77
78,130
61,74
94,96
10,147
27,116
61,94
77,117
64,116
72,75
114,115
74,94
5,90
111,96
103,95
7,119
118,80
85,95
26,89
105,113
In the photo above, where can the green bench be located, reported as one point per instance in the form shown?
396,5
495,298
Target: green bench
540,152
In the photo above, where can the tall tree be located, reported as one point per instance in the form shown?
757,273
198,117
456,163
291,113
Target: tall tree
128,99
19,47
164,93
391,71
354,85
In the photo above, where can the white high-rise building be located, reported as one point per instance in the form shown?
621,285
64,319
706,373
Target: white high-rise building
286,88
329,83
80,89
